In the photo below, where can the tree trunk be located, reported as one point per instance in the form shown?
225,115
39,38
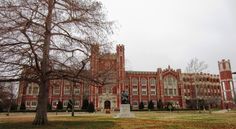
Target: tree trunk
9,109
41,114
41,110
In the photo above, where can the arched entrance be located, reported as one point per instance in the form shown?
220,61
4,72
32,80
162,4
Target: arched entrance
107,104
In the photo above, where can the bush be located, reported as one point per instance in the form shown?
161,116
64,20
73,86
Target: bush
159,104
49,107
151,105
141,105
14,107
91,108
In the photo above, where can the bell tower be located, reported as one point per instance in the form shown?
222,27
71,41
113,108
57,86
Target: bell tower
120,51
227,85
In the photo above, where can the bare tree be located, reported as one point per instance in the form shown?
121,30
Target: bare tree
8,91
194,67
41,40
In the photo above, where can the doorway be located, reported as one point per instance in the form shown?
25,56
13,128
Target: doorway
107,104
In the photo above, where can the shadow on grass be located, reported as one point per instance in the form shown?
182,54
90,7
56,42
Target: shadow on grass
60,125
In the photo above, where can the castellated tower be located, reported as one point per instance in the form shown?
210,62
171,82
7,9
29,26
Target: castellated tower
120,51
227,85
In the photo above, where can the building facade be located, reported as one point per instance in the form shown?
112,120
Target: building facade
162,85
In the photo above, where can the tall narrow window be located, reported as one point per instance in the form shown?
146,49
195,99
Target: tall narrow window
32,89
135,86
56,89
66,90
170,86
77,90
144,86
153,86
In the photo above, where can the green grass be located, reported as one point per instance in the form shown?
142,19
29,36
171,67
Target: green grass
143,120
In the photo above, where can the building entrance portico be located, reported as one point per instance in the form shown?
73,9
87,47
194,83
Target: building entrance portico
107,101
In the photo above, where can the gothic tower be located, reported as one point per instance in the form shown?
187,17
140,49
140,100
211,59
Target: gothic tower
94,60
227,85
120,51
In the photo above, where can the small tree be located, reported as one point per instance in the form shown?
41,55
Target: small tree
159,104
91,108
170,106
141,105
151,105
196,66
49,107
85,104
14,106
59,105
69,105
22,106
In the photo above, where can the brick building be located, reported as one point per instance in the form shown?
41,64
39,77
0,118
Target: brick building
165,85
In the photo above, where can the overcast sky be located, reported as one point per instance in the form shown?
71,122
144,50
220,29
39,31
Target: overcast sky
158,33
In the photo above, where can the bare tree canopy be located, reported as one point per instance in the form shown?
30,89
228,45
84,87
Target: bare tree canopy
42,37
196,66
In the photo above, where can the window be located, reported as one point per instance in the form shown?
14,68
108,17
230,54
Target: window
144,82
32,89
165,92
135,86
135,91
153,82
67,90
27,103
144,92
153,86
153,91
135,81
170,92
66,82
77,103
29,90
65,103
170,86
145,103
35,90
34,103
76,90
135,104
54,103
144,86
56,89
31,103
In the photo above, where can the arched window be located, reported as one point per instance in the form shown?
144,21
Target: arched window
134,86
134,81
144,86
170,86
56,89
153,86
33,89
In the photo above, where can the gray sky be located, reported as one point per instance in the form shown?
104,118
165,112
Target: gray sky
158,33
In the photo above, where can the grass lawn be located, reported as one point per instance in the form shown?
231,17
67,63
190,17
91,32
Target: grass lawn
143,120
